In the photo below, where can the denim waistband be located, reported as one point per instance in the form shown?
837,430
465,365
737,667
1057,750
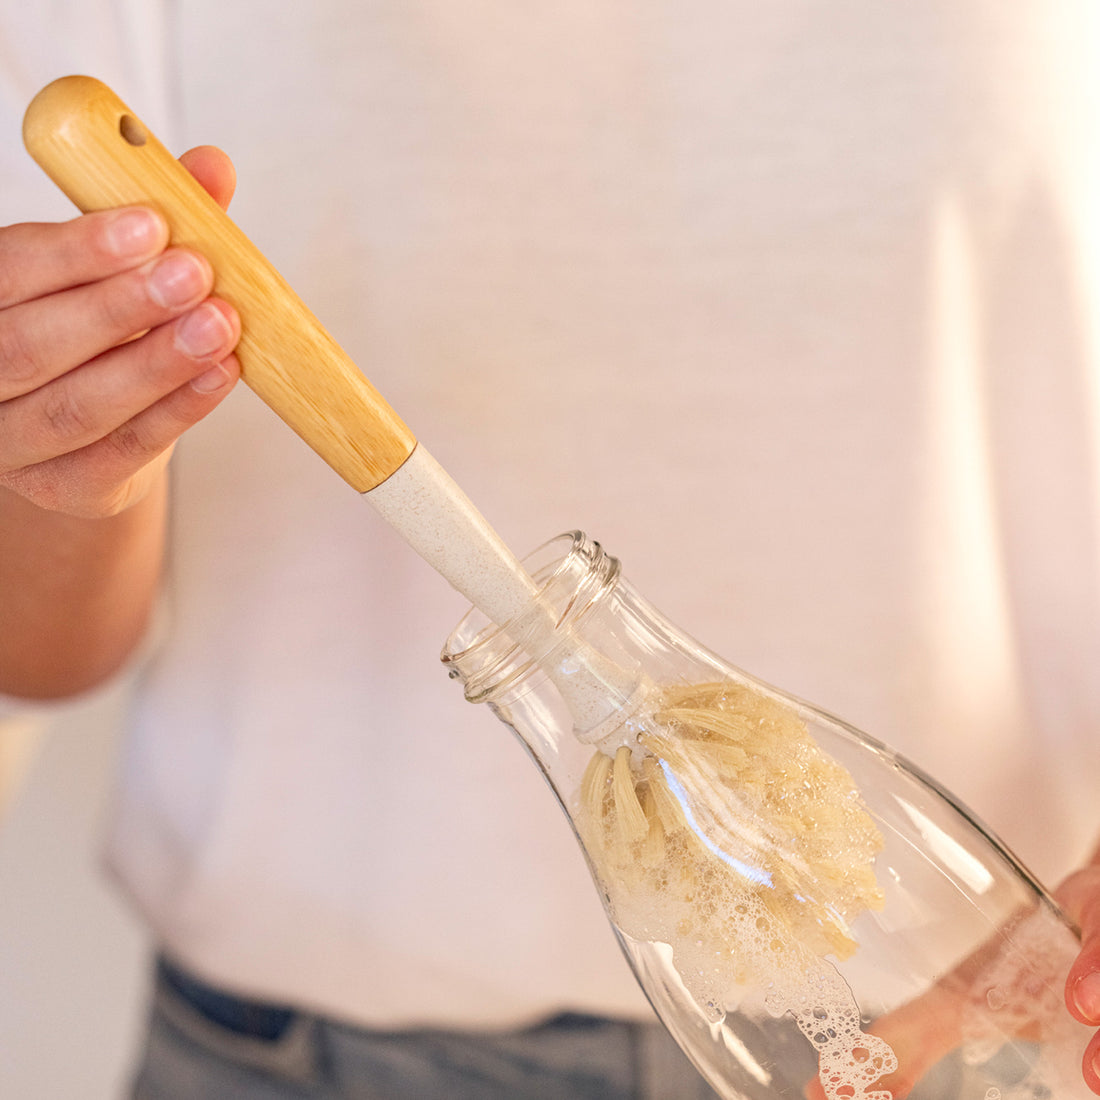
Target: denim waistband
268,1021
201,1038
256,1019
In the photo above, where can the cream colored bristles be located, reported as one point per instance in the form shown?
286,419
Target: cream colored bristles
594,785
724,806
632,822
665,804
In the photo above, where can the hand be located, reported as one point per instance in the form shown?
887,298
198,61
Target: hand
110,348
1079,895
1007,988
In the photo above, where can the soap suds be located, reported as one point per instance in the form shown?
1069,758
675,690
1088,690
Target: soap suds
727,834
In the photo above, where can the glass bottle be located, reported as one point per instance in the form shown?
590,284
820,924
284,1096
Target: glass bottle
808,914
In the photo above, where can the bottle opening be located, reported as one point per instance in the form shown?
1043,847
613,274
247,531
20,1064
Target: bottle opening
573,573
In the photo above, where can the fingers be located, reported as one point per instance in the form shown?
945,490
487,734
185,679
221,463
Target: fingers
38,259
106,358
69,291
44,338
110,348
81,406
1083,982
214,170
106,476
1090,1066
1079,896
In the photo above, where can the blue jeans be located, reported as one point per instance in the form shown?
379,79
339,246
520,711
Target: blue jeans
203,1044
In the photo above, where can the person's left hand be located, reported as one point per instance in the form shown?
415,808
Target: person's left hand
1079,896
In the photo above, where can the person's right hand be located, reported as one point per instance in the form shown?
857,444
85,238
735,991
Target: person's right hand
111,346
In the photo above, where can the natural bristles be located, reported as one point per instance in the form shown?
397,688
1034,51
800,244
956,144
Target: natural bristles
728,834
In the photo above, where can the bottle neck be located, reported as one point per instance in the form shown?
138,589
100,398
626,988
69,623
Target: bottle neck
559,667
574,576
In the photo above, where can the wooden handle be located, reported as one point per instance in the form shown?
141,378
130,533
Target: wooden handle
98,152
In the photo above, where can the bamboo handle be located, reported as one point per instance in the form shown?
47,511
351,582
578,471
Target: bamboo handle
98,152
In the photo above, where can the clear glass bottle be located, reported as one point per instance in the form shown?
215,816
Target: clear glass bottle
809,914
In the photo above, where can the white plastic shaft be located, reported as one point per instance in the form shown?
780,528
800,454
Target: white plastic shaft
425,506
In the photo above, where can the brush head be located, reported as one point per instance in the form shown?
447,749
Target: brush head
728,834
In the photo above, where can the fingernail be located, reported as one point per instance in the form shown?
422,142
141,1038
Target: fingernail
203,331
211,381
178,278
133,233
1086,995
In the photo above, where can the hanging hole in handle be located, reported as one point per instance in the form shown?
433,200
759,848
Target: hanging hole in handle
132,130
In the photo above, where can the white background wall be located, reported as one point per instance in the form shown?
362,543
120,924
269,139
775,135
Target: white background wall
73,963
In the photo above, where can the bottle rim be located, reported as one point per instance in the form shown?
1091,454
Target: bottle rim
573,575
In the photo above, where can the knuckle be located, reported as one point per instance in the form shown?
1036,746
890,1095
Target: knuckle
64,417
123,308
18,357
15,241
10,286
129,443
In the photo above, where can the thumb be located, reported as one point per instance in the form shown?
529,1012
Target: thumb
214,170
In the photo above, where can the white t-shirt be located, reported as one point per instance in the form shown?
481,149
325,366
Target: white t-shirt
792,306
